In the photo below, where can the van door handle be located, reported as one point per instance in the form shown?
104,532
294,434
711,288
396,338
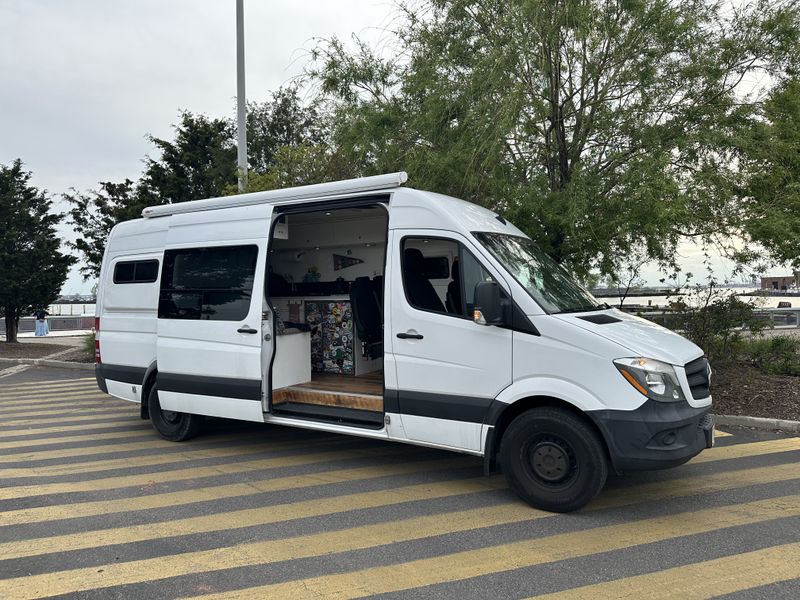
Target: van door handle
246,329
410,336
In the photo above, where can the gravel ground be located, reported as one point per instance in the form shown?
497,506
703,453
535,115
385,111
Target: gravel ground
740,389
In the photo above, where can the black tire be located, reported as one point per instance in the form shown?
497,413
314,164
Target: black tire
171,425
553,459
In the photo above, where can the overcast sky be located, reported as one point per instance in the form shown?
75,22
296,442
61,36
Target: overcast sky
83,82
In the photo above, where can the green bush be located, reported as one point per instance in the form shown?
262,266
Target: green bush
717,324
88,343
778,355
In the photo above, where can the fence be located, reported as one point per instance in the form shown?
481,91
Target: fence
781,318
76,323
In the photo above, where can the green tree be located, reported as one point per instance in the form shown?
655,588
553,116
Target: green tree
33,269
772,159
281,122
94,214
198,163
598,126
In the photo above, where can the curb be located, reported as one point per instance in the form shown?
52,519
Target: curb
758,423
44,362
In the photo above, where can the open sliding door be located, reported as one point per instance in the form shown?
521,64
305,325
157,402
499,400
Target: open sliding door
210,313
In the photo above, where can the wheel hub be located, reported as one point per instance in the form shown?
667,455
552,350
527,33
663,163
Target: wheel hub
550,461
170,416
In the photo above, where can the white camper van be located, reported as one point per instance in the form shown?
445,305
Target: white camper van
369,308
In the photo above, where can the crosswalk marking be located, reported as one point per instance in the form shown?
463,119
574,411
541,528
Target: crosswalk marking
23,444
98,466
90,438
58,403
46,384
698,581
471,563
509,511
415,573
225,491
130,422
72,409
197,472
698,484
295,510
86,415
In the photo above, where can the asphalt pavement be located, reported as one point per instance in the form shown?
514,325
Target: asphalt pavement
94,505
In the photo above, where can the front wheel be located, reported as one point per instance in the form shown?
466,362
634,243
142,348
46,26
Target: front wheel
172,425
553,459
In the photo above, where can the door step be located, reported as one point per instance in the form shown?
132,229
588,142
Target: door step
330,414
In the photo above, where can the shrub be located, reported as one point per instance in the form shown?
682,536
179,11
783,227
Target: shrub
779,355
716,322
88,343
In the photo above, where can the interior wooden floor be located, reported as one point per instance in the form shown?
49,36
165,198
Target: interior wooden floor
364,392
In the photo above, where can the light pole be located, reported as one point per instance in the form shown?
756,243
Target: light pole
241,101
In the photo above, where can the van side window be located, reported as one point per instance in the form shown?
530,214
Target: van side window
207,283
136,271
449,287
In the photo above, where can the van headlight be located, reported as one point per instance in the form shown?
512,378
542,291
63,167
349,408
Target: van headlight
652,378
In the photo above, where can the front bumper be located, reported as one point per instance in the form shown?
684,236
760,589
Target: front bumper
657,435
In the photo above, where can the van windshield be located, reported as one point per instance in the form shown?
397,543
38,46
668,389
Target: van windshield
545,280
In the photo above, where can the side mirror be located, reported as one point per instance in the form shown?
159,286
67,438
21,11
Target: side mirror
488,309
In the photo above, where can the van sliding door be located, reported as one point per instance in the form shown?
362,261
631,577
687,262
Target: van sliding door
209,348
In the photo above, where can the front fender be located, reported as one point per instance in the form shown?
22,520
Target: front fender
553,387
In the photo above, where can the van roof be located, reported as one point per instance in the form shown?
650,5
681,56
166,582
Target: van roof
283,196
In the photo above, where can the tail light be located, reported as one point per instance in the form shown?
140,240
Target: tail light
97,357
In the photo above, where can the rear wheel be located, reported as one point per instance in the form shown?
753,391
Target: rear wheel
553,459
171,425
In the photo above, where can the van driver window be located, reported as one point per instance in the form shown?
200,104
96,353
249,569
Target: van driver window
440,276
207,283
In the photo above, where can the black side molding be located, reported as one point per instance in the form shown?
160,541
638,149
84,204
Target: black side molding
224,387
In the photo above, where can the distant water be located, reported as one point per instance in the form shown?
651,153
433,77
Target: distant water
693,299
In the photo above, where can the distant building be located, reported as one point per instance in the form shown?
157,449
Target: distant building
782,282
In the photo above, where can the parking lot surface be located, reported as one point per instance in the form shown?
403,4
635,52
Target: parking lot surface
94,505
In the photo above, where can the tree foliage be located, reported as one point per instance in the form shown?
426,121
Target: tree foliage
597,126
772,159
33,269
286,147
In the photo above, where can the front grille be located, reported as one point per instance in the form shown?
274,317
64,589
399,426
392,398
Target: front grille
697,374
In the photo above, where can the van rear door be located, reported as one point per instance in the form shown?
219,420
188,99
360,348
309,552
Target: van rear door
209,348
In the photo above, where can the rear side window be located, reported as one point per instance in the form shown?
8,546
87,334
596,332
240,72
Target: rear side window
136,271
207,283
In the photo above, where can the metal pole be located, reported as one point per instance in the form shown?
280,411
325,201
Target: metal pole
241,101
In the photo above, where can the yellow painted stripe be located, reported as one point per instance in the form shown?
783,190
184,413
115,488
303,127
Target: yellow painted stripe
76,467
219,492
720,434
20,434
49,382
695,484
56,392
249,517
55,401
47,389
441,569
154,442
749,449
274,513
398,577
132,409
149,479
698,581
67,409
23,444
